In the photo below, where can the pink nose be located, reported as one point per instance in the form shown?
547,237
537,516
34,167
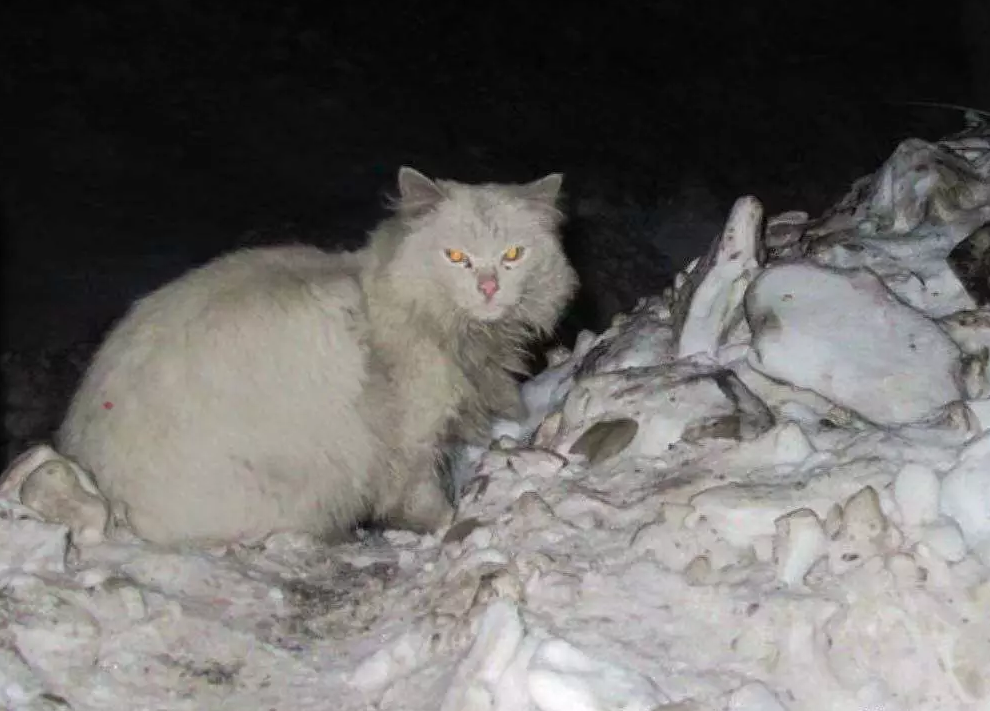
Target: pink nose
488,287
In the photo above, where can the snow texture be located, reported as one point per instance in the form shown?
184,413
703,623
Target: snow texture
766,490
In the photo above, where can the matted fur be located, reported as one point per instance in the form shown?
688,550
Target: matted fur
287,388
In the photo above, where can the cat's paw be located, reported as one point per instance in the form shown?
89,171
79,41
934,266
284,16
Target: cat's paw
473,430
423,509
512,408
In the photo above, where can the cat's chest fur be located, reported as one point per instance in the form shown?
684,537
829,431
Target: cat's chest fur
425,385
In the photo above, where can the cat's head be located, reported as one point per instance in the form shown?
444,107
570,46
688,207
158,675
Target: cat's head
487,252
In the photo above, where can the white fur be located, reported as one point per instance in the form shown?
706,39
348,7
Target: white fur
287,388
222,404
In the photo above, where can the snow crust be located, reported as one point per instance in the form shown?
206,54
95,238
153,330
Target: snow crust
766,490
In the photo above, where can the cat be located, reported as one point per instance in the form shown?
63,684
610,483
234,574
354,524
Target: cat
288,388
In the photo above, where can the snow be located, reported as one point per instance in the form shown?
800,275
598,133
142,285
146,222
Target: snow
767,490
905,371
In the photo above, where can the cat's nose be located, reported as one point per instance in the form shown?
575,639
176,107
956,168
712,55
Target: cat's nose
488,285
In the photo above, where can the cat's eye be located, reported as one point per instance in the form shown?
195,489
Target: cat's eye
456,256
512,254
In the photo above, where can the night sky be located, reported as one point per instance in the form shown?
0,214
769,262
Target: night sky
140,138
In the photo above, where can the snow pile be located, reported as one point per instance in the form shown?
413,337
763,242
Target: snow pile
767,490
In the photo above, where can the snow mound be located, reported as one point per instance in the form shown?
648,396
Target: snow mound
766,490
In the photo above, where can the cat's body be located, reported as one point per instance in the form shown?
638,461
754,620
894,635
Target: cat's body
286,388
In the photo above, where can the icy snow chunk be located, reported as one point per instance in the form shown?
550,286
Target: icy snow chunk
743,512
506,667
923,182
784,446
916,491
790,403
60,491
946,541
398,658
970,329
605,439
20,687
543,394
563,678
31,547
543,391
686,401
860,535
791,445
643,338
966,491
709,305
904,221
754,697
800,543
53,631
845,336
479,679
783,232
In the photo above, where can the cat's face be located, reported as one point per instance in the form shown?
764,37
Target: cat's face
490,251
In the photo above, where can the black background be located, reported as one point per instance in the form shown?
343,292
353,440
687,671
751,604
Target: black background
139,138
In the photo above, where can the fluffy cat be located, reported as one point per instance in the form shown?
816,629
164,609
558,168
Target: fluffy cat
286,388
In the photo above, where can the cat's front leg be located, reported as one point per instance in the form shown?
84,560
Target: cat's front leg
510,405
472,426
423,509
424,397
501,395
421,506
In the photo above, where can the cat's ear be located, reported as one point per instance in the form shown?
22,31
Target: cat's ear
545,190
417,193
545,195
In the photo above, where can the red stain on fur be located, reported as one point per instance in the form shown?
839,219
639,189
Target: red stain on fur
108,405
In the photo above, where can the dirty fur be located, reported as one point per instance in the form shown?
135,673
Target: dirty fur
286,388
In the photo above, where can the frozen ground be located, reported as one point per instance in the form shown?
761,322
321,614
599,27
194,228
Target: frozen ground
766,490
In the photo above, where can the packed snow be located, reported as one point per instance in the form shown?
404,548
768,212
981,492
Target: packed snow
765,490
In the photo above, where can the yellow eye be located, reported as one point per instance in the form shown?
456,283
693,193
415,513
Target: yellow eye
455,255
512,254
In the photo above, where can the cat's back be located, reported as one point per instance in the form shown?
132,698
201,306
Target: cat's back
237,372
236,295
243,317
251,278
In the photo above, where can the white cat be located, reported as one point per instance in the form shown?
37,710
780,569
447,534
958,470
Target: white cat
286,388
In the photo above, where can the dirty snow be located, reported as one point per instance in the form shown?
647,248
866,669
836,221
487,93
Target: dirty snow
768,490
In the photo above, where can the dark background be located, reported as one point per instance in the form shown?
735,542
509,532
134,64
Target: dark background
139,138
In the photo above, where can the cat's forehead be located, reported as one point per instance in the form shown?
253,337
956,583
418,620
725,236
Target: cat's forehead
482,201
487,213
